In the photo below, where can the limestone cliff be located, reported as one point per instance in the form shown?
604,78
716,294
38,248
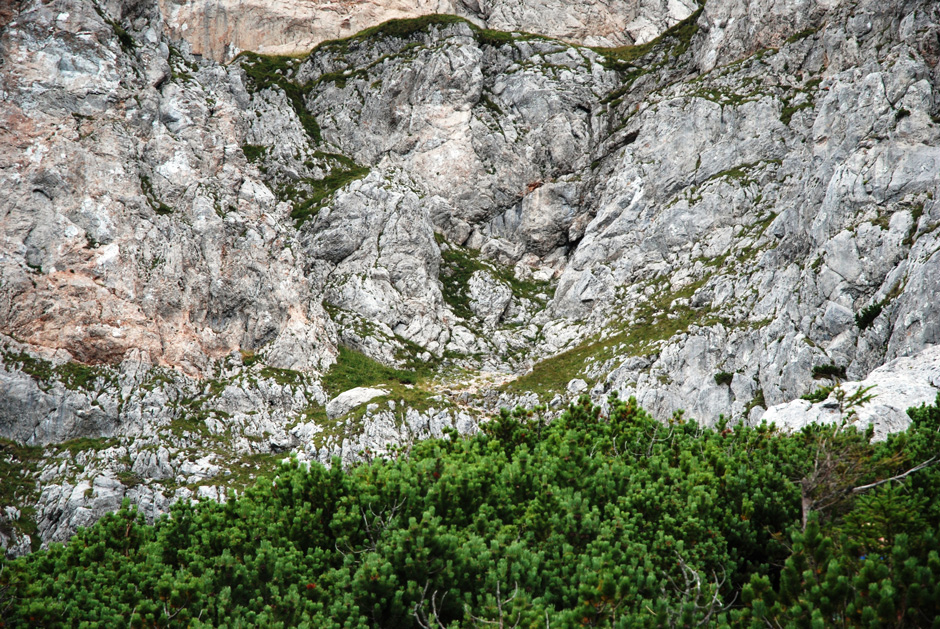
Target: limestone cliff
197,256
220,29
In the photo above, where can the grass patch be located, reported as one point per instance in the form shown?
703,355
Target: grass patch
738,173
487,102
129,479
916,212
124,38
180,67
802,35
354,369
193,422
245,471
552,375
655,321
404,28
679,37
284,377
39,369
458,265
757,400
254,152
489,37
84,444
73,376
624,59
409,27
786,114
76,376
249,357
342,160
308,203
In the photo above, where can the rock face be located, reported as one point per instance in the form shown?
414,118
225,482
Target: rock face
220,29
709,223
132,220
892,388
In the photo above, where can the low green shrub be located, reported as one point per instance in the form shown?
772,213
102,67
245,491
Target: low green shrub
723,377
829,371
595,519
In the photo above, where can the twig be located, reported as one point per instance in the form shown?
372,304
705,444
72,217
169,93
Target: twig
860,489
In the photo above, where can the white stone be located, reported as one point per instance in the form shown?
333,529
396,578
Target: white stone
350,399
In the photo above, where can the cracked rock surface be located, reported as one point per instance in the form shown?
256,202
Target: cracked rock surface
196,256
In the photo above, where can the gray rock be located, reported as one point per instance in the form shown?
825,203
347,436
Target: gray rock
577,386
894,387
353,398
160,300
489,298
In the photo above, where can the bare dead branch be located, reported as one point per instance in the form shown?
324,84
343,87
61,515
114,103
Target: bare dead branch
863,488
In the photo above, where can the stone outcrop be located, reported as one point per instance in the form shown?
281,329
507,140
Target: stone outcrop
880,400
710,222
221,29
348,400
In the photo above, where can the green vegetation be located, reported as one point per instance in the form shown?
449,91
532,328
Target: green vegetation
802,34
399,29
354,369
591,520
124,38
180,68
409,27
786,113
819,395
829,371
342,160
489,37
917,211
757,400
73,376
249,357
18,486
284,377
270,71
809,91
679,37
254,152
723,377
553,374
634,62
307,195
459,264
85,444
655,320
487,102
313,193
867,316
158,206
